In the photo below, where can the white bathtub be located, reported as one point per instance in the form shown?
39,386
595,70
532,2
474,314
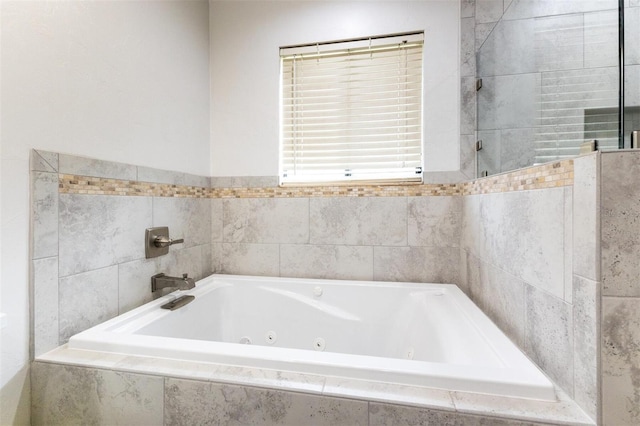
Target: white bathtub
428,335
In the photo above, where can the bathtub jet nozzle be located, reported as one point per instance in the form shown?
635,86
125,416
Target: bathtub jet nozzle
160,281
157,241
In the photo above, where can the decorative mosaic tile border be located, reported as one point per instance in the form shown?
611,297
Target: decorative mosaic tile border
72,184
549,175
339,191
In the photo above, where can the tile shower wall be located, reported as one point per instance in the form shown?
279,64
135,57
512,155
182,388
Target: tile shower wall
88,261
467,88
620,207
528,260
517,264
88,253
549,72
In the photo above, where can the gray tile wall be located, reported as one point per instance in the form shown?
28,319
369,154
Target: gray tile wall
88,261
372,238
468,26
88,253
620,207
69,395
517,264
530,260
543,64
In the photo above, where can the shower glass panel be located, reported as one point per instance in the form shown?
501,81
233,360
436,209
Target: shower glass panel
631,68
550,80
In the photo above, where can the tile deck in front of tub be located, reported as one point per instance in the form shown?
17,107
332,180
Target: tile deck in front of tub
294,396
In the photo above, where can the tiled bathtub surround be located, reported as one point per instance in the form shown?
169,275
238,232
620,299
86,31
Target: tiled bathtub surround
517,253
548,175
127,389
576,315
337,237
516,236
88,261
620,207
256,228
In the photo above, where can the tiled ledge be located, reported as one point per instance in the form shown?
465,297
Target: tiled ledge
415,402
72,184
548,175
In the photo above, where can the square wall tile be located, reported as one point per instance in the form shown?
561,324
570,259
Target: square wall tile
523,234
549,336
44,214
358,221
468,156
148,174
631,86
188,218
467,8
586,314
134,282
326,261
586,216
516,149
489,10
470,232
217,222
266,220
416,264
489,158
87,299
206,266
66,395
249,259
601,39
621,360
504,102
558,42
631,40
43,161
197,180
506,48
467,47
82,166
434,221
192,402
184,261
389,415
502,299
45,305
483,31
568,244
521,9
101,230
620,226
468,105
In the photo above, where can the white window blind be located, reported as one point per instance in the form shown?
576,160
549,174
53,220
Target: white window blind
352,111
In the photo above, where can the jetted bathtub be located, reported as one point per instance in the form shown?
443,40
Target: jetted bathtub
428,335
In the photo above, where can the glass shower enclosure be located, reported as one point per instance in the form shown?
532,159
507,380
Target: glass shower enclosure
549,76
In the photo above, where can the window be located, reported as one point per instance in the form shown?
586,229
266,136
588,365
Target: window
352,111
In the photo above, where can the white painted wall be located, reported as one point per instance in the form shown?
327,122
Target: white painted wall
246,36
120,81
